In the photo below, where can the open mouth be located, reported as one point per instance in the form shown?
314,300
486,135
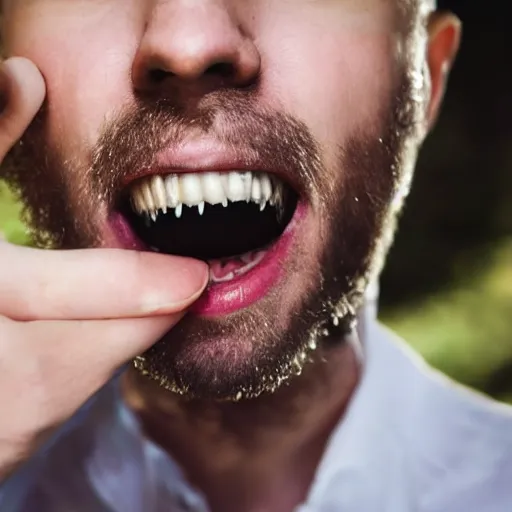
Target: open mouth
236,221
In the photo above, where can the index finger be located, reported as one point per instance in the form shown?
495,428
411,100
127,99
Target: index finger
98,284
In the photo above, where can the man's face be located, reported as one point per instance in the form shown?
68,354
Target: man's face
321,100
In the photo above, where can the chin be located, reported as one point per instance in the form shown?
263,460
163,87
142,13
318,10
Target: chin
253,328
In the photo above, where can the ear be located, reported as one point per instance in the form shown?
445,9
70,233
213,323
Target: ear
444,30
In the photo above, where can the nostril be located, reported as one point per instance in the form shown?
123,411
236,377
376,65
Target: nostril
219,69
223,69
158,75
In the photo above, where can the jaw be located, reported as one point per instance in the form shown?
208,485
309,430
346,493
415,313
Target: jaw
256,349
242,338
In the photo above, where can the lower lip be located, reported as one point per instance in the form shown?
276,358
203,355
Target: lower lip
241,292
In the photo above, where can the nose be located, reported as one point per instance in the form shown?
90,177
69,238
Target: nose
197,45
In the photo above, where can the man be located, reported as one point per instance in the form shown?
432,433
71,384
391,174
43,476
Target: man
228,175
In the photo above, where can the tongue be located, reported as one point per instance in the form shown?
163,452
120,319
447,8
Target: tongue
227,269
220,268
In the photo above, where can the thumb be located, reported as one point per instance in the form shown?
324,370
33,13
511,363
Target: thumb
23,90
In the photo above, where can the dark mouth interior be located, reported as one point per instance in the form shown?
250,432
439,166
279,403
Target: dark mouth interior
221,232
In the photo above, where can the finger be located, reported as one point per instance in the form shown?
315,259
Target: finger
23,90
55,366
85,284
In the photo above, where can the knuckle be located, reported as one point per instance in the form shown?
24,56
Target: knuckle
14,302
21,307
30,293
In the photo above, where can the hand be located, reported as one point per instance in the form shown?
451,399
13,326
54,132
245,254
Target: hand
70,319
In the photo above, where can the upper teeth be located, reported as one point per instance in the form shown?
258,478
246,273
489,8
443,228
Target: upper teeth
158,193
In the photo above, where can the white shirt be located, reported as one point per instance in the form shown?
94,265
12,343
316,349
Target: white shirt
411,441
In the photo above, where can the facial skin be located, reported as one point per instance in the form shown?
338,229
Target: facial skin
345,80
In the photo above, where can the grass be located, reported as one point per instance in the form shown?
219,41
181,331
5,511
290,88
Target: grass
465,332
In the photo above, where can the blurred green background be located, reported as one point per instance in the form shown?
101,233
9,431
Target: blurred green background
447,288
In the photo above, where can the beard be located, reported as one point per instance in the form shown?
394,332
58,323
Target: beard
356,205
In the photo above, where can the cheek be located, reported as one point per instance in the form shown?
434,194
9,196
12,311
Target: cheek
83,95
337,84
87,68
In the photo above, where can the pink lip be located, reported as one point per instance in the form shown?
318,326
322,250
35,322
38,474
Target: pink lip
204,154
207,155
240,293
225,298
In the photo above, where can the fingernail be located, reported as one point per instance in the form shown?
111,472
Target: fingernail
180,290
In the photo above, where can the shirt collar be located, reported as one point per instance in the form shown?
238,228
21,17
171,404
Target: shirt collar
411,438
